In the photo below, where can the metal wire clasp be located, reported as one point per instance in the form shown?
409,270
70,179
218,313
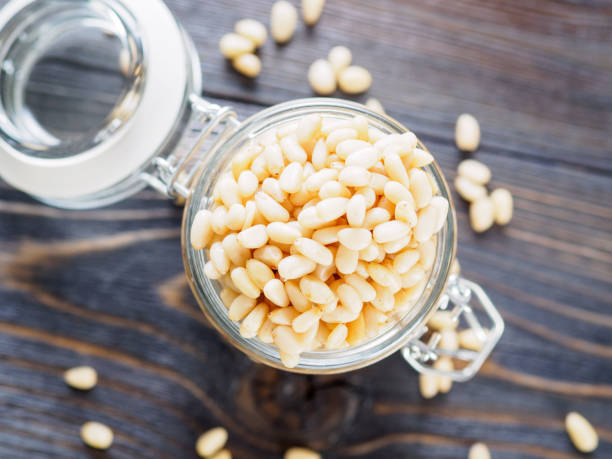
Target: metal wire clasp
459,300
207,127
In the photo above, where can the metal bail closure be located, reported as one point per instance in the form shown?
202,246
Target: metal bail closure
466,302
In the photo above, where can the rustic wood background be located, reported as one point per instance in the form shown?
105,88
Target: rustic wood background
106,287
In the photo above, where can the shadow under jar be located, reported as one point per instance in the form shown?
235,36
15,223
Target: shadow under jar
159,132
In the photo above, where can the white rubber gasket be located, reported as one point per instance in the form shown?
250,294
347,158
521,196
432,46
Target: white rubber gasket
132,145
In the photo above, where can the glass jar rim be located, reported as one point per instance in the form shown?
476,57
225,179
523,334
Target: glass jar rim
320,361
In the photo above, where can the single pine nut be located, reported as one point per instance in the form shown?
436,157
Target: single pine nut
390,231
233,45
286,339
291,178
283,316
272,188
427,251
247,184
395,167
346,260
354,80
375,105
320,178
370,253
365,158
217,221
440,204
369,195
581,432
364,289
396,192
269,254
253,30
420,188
240,307
336,337
428,385
311,11
97,435
259,272
297,299
299,452
270,208
314,251
308,128
211,272
259,167
223,454
397,245
321,77
340,314
295,266
309,218
405,211
474,170
241,279
479,451
441,320
332,208
468,190
349,297
376,216
282,232
82,378
420,158
327,235
265,332
401,144
384,301
405,260
347,147
283,20
306,320
219,258
482,214
250,214
316,290
235,217
340,58
355,238
502,200
455,267
361,269
356,210
274,290
227,296
274,158
354,176
292,149
412,277
467,132
253,237
468,339
211,441
426,224
243,159
445,364
319,154
247,64
356,331
254,320
449,340
201,231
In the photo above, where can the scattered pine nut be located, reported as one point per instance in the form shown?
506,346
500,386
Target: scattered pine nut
581,432
467,132
354,80
502,200
479,451
97,435
375,105
321,77
233,45
223,454
428,385
469,340
211,442
482,214
469,190
283,21
82,378
253,30
311,11
475,171
339,57
247,64
299,452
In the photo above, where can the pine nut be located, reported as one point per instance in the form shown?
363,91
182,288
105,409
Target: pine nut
247,64
395,168
396,192
455,267
369,195
320,178
319,154
356,210
411,278
211,272
428,385
223,454
211,441
375,105
274,290
337,337
475,171
292,149
235,217
426,224
295,266
427,251
347,147
286,339
441,206
390,231
218,258
448,340
468,339
467,132
272,188
482,214
227,296
365,158
354,80
306,320
398,245
233,45
321,77
469,190
270,208
356,331
330,209
441,320
363,288
420,188
340,58
349,297
96,435
316,290
253,321
376,216
308,128
242,281
502,200
283,316
346,260
581,432
338,136
355,238
82,378
405,211
253,237
314,251
405,260
445,364
274,158
253,30
201,231
298,300
370,253
282,232
479,451
299,452
269,254
247,184
259,272
327,235
311,11
420,158
265,332
283,20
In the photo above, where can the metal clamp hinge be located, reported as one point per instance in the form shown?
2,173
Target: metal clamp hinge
207,128
458,300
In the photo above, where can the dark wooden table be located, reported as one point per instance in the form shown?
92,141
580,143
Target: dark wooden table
106,287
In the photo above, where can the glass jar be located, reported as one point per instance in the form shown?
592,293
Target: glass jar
161,133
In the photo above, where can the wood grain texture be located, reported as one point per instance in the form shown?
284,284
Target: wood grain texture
106,287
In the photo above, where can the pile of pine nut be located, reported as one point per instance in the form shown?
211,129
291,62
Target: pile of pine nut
322,232
324,75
